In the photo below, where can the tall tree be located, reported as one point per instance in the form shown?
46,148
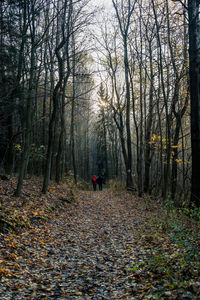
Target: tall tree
31,12
65,32
194,58
124,19
102,152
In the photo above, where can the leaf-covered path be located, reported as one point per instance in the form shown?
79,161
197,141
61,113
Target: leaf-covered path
91,249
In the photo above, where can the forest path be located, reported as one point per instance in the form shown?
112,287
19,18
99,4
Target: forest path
98,247
84,251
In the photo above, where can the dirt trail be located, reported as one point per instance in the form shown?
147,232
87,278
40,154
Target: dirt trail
98,239
104,245
84,252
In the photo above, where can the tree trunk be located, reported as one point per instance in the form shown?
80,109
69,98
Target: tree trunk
124,28
29,107
194,70
61,147
168,123
105,146
129,181
52,125
149,126
51,138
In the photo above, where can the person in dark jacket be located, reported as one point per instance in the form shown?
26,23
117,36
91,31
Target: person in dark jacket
100,182
94,182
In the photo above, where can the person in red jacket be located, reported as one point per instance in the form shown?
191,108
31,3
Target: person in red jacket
94,182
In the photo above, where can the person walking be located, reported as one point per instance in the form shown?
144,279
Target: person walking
100,182
94,182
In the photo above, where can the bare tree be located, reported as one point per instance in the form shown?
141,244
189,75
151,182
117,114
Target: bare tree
66,33
194,56
124,25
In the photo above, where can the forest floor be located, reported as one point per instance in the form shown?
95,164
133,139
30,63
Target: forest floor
94,245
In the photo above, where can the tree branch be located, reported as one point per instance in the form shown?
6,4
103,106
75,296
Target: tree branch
181,3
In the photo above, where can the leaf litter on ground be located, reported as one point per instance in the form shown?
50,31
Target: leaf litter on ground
103,245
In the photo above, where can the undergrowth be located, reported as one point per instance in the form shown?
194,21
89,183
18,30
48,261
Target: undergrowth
116,185
173,261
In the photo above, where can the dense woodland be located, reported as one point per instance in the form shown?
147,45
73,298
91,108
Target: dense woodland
86,90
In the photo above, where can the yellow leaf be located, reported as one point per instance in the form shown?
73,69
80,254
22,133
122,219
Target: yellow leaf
178,160
18,147
4,271
13,245
78,293
153,137
165,285
6,239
